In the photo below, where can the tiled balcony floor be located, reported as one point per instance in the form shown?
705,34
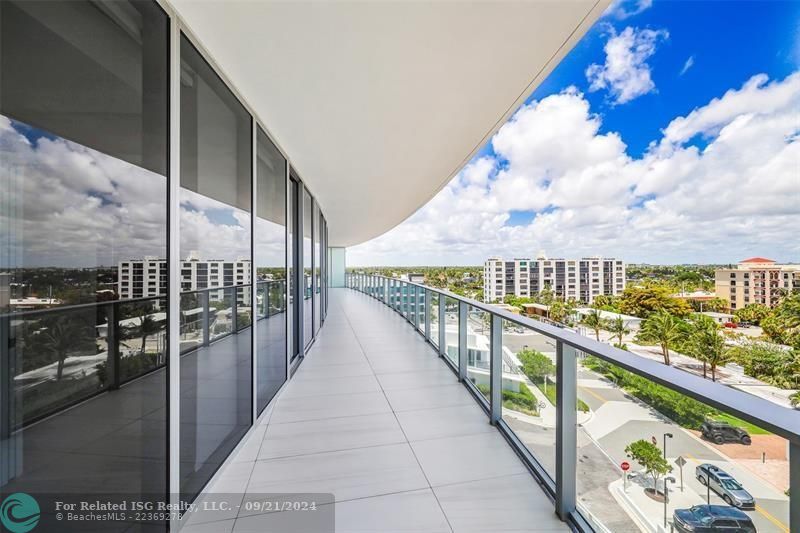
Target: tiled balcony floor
375,418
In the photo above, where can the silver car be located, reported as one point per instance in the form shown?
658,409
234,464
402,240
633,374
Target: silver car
725,485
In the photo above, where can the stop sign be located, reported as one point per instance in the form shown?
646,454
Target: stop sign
625,466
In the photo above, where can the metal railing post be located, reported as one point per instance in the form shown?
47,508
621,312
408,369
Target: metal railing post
405,298
794,486
427,314
566,428
206,320
416,307
235,311
442,325
112,343
462,341
496,370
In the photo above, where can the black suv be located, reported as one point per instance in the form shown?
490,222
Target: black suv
721,432
712,518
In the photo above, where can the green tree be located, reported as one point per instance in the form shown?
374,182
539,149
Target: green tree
535,364
795,399
753,313
546,295
768,362
663,329
596,322
64,336
606,302
712,304
643,301
146,327
618,328
650,457
706,343
783,326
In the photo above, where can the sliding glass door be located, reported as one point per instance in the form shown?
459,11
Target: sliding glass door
271,274
215,255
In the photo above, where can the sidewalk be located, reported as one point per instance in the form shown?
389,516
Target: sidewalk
649,512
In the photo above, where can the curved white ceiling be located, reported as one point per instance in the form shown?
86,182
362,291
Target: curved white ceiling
379,104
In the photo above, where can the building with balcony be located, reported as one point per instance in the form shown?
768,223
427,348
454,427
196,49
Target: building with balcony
756,280
578,279
282,394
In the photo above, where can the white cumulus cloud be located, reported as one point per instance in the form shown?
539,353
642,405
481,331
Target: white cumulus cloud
720,183
625,73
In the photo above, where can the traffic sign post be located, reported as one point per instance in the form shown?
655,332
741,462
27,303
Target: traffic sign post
625,466
680,461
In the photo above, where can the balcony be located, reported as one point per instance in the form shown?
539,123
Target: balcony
588,411
377,419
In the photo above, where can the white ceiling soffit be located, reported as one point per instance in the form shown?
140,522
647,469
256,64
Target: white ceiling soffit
380,104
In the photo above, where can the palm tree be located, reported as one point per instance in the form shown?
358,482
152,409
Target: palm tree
594,321
146,328
61,338
663,329
706,343
618,328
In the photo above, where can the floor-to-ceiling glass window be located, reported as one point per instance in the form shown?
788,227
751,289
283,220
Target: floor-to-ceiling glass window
270,257
83,248
215,249
308,269
317,265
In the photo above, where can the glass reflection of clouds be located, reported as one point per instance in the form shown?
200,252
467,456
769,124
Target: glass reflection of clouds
66,205
213,229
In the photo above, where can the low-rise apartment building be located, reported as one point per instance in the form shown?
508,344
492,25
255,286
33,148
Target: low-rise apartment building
578,279
756,280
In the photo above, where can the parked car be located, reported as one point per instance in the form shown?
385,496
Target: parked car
721,432
731,325
745,324
712,518
725,485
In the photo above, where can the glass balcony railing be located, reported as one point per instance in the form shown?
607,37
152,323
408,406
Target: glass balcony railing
60,357
621,443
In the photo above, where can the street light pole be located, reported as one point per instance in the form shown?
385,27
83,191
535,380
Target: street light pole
665,444
666,497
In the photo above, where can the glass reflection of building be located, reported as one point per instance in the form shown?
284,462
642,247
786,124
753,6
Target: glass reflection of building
90,284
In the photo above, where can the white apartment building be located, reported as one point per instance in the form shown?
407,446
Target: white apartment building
578,279
142,278
756,280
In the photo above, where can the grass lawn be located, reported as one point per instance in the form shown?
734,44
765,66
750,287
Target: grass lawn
551,395
738,422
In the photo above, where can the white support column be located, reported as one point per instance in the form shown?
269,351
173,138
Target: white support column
174,270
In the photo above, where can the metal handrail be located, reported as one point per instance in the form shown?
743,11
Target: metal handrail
779,420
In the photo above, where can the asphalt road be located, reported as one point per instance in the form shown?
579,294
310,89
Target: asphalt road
770,514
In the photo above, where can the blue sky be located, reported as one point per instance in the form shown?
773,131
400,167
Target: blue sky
666,94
